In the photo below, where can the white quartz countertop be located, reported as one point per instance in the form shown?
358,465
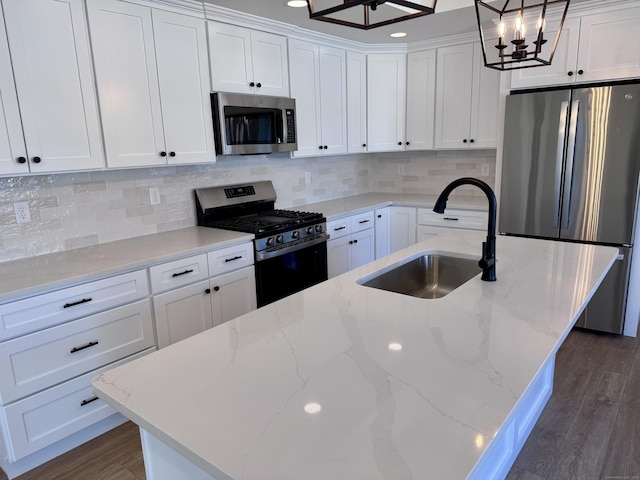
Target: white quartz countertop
340,207
34,275
232,399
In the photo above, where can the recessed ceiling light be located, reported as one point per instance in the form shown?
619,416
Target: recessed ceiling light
312,408
398,35
297,3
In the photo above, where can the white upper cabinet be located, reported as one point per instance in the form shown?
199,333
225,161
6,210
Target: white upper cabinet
591,48
421,97
247,61
51,59
151,69
318,83
386,77
467,95
356,102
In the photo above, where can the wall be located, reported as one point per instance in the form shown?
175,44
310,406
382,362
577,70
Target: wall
81,209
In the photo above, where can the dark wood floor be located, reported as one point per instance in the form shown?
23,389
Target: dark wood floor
590,429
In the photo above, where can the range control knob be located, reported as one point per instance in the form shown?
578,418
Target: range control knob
279,239
318,228
295,235
310,230
271,242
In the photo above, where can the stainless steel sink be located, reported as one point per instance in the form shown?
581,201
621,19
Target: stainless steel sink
432,275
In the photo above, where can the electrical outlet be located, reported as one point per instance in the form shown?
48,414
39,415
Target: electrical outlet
484,170
307,177
154,195
23,215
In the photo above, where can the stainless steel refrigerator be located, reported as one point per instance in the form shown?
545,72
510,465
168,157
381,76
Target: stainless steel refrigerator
571,161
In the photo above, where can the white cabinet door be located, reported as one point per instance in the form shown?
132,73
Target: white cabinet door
270,66
183,73
356,102
421,96
126,71
403,227
333,102
605,41
182,313
230,55
247,61
383,231
233,294
49,46
386,76
362,249
305,85
467,96
338,256
13,154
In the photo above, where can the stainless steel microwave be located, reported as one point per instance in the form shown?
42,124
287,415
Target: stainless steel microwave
253,124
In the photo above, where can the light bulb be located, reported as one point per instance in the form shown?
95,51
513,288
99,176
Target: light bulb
519,27
541,24
502,29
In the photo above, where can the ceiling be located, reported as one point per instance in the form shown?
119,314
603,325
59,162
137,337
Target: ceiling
452,17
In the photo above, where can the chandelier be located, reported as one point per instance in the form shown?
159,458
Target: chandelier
371,14
516,35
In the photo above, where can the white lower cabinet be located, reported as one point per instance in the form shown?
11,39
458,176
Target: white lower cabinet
383,232
402,229
352,243
431,223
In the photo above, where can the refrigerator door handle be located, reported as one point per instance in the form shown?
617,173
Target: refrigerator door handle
562,130
571,147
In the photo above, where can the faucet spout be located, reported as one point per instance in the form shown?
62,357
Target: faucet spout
488,260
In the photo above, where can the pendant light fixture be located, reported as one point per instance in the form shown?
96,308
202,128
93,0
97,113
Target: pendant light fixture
367,14
517,35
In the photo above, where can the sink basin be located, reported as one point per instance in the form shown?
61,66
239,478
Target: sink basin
430,275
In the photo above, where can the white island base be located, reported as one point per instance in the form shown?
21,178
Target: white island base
347,382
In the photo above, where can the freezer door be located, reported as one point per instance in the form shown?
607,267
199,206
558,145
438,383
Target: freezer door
601,179
606,309
533,162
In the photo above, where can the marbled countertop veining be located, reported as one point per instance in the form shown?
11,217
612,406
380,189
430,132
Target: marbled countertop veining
403,387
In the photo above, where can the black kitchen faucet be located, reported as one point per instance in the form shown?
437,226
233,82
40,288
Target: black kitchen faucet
488,260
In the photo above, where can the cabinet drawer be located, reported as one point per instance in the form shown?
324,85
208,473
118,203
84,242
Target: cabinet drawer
42,419
454,218
339,228
230,258
49,309
178,273
43,359
361,222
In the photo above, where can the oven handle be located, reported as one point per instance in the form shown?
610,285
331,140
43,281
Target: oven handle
266,254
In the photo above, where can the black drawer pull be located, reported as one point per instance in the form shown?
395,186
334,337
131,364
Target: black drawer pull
88,401
216,288
181,273
339,228
79,302
363,221
451,218
82,347
237,257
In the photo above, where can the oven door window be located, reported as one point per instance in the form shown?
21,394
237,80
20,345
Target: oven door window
253,126
292,272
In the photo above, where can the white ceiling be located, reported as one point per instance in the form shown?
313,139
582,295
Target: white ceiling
451,17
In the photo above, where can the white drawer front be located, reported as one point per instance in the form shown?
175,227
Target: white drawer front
42,419
361,222
178,273
454,218
339,228
43,359
49,309
230,258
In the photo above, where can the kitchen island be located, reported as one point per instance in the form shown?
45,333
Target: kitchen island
343,381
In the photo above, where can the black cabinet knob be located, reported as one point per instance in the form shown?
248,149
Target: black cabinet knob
320,147
259,85
163,154
399,143
325,147
379,216
570,74
207,291
172,154
216,288
21,160
464,141
36,159
364,144
407,143
252,84
472,140
580,72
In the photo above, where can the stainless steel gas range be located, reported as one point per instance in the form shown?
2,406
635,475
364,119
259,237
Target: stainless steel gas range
290,247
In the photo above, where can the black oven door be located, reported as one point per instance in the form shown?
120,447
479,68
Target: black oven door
280,276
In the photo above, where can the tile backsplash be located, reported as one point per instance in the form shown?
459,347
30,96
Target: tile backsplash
80,209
